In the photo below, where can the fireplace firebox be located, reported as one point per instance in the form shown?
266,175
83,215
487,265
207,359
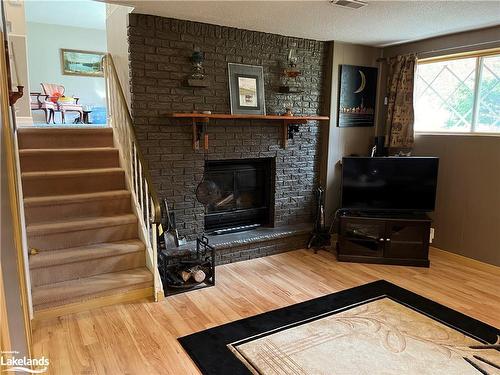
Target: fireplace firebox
244,193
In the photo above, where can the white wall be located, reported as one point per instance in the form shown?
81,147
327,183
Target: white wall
467,215
345,141
44,59
116,29
16,28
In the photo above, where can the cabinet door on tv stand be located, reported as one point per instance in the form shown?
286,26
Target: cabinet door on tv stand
407,239
364,237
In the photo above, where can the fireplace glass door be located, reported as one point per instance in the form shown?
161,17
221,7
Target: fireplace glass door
243,189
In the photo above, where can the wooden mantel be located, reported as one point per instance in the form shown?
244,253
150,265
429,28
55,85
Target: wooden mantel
199,121
247,117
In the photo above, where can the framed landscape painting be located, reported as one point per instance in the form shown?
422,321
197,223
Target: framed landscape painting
357,95
246,89
82,63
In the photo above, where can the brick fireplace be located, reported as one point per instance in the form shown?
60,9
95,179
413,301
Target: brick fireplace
159,54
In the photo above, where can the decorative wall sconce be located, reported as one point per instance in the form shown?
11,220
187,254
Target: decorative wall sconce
197,59
197,77
289,75
291,71
14,96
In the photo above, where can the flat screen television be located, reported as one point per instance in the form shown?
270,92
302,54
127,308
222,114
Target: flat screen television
389,183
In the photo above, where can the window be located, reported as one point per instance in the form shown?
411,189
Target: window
458,95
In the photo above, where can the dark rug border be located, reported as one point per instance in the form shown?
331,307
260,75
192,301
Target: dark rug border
208,348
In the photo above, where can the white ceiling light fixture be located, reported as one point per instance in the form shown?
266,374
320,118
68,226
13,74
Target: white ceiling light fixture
351,4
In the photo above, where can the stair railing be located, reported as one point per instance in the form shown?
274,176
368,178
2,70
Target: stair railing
136,170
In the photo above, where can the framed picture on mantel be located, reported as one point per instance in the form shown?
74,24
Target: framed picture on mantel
357,94
246,89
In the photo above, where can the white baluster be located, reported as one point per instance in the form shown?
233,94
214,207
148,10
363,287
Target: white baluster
152,213
148,221
141,192
154,246
135,172
131,164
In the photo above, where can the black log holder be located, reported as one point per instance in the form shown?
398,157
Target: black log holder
172,262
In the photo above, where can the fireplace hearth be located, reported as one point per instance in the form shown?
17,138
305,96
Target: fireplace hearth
244,193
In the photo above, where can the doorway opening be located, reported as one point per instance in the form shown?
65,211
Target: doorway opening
65,43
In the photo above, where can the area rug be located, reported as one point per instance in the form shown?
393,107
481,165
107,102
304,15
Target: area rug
377,328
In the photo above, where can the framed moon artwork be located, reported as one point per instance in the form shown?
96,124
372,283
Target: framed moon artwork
357,96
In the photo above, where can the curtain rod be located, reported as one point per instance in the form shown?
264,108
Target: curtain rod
457,47
429,52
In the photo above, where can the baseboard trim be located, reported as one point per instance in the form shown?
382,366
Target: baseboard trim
465,259
71,308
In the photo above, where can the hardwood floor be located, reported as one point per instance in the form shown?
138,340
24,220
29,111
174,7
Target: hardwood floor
140,338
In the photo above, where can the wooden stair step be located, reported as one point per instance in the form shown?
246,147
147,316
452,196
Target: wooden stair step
53,159
64,137
82,253
81,232
80,290
36,184
63,207
48,267
79,224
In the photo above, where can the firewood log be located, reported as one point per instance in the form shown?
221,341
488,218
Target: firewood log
198,275
186,275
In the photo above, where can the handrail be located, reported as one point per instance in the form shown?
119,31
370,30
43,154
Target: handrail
110,71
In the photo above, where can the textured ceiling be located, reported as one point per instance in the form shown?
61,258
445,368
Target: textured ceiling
378,24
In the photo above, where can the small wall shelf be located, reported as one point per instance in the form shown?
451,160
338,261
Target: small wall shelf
202,83
199,121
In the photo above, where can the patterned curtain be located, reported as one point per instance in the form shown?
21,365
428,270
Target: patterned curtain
399,122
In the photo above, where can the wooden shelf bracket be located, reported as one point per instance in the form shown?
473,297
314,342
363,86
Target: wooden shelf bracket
290,127
199,127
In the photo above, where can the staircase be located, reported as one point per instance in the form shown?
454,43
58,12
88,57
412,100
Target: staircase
79,219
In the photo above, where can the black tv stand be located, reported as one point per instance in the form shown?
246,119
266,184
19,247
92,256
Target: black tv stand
384,237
